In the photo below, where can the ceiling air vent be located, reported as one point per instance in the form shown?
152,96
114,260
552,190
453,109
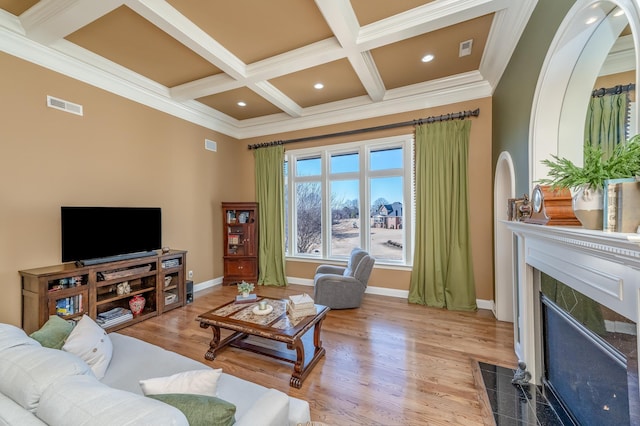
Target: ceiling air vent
465,48
64,105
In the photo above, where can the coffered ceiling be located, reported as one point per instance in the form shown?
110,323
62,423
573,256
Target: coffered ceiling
197,59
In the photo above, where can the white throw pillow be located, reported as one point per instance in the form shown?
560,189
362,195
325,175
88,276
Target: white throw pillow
199,382
27,370
92,344
11,336
86,401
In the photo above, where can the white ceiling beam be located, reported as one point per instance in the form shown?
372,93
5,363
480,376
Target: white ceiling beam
51,20
169,20
343,22
276,97
305,57
429,17
309,56
368,74
204,87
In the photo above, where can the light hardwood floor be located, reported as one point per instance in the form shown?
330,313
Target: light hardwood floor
387,363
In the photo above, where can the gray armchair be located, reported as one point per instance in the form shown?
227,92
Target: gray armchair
342,288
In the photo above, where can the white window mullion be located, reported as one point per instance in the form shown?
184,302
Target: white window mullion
365,196
392,184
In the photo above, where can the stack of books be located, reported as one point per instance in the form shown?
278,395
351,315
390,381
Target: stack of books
301,305
114,317
69,305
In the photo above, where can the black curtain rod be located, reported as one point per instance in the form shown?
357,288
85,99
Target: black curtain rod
616,90
444,117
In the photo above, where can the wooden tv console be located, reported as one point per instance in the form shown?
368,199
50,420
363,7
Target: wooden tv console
71,291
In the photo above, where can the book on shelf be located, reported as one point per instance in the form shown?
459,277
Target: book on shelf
69,305
115,321
621,210
113,317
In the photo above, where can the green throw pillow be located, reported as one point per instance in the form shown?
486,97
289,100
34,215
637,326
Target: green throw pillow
201,409
53,333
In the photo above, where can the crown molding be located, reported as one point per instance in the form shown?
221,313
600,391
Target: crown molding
141,91
120,81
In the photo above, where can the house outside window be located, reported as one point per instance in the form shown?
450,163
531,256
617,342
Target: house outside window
350,195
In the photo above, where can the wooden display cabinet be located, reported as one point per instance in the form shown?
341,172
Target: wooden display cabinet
70,291
173,293
240,229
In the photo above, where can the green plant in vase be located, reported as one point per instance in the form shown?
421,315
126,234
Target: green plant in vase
245,288
587,182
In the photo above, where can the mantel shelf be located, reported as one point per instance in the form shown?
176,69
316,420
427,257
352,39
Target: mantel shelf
614,245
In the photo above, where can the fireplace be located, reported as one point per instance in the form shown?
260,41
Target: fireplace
590,358
578,296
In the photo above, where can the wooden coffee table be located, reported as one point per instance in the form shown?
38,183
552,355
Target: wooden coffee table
275,326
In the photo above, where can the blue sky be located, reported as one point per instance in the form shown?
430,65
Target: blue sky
389,188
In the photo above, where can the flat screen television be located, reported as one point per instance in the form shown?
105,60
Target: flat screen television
93,235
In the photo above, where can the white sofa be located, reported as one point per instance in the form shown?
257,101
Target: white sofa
39,385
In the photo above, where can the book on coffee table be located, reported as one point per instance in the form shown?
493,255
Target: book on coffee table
246,299
301,305
301,301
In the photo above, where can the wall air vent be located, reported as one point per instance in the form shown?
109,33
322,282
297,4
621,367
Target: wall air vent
210,145
64,105
465,48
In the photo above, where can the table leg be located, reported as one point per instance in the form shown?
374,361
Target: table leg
316,335
298,368
300,371
215,341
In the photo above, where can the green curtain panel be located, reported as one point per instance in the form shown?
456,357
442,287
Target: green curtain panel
606,122
442,273
270,196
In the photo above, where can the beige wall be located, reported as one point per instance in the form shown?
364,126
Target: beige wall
118,154
480,187
125,154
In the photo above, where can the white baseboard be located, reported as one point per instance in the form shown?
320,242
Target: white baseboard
207,284
381,291
486,304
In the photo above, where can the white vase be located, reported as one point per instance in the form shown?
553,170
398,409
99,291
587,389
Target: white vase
587,206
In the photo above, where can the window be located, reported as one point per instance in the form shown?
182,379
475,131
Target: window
350,195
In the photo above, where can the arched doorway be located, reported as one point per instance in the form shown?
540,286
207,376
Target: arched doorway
503,189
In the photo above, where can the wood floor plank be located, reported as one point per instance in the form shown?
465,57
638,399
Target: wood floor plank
387,363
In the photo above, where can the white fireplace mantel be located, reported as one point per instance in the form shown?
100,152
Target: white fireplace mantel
604,266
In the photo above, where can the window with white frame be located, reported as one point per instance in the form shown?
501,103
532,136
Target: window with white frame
350,195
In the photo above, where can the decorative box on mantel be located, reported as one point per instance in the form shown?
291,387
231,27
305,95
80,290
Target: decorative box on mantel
604,266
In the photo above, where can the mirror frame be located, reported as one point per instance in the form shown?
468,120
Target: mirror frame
569,70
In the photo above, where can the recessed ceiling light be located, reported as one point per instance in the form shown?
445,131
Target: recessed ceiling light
242,104
427,58
318,86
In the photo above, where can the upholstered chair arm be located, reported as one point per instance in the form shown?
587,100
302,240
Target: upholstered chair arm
330,269
338,291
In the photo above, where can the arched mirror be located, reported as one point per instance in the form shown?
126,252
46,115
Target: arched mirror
594,47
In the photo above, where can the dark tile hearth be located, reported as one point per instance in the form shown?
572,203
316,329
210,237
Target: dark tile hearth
514,404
